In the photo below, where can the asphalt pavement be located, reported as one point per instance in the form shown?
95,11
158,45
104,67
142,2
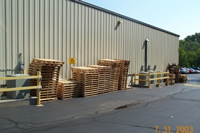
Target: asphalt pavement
138,110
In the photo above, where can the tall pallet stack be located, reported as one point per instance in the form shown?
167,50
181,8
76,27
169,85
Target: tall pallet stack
115,72
122,85
88,80
104,78
67,89
172,78
175,69
50,70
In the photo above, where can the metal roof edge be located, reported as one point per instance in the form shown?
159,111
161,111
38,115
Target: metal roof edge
122,16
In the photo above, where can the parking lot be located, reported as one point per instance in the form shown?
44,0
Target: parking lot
193,70
139,110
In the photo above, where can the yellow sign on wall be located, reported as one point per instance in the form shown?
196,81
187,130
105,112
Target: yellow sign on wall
72,61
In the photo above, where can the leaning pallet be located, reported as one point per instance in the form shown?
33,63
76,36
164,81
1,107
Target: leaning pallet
67,89
115,72
88,80
104,78
175,69
122,85
50,70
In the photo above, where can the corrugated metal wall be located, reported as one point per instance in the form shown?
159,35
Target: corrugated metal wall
60,29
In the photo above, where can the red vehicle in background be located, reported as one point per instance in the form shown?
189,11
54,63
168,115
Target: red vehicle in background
190,70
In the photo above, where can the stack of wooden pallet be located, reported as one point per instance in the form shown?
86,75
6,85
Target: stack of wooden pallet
50,70
88,80
104,78
122,85
178,78
115,72
175,69
67,89
172,78
183,78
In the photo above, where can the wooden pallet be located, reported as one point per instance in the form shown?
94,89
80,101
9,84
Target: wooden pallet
50,71
115,72
88,79
183,78
47,62
122,85
104,78
67,89
175,69
64,91
173,76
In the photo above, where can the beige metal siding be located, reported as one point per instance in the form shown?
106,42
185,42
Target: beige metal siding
60,29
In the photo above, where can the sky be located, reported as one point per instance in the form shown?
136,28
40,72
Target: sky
178,16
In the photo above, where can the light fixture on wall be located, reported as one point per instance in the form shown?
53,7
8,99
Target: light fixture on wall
120,22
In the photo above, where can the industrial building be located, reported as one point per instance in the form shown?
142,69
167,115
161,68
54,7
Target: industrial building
63,29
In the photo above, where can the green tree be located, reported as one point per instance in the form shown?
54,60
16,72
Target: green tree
192,58
198,57
189,51
183,57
